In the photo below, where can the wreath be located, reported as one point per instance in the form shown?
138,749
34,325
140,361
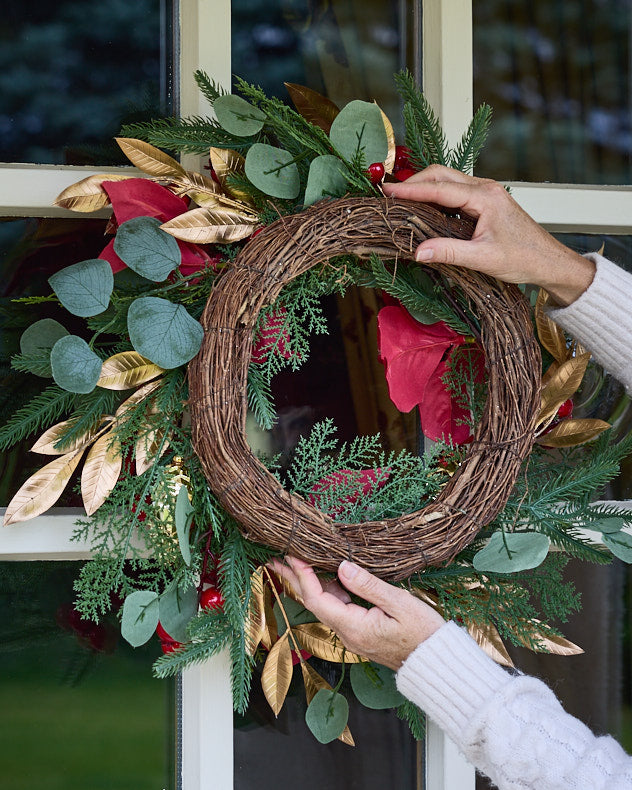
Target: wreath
209,286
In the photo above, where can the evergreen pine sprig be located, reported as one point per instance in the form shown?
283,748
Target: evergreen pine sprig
424,136
41,412
464,156
210,89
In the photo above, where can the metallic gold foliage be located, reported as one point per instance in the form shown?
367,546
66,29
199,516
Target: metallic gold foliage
548,643
138,396
487,637
562,385
570,433
88,194
277,673
319,640
47,441
270,632
150,447
42,489
126,370
149,159
389,162
225,163
551,335
100,472
313,106
211,225
255,620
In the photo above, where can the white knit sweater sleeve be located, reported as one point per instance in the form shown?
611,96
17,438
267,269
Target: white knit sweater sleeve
602,319
511,727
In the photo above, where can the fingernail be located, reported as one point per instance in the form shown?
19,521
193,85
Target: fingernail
425,254
348,569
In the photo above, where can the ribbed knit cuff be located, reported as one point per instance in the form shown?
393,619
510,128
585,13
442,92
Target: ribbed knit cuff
600,318
450,678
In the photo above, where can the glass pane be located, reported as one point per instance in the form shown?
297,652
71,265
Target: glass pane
557,75
72,72
80,708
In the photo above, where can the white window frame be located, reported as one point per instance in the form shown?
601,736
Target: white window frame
29,190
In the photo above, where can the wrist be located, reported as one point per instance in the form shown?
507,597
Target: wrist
569,278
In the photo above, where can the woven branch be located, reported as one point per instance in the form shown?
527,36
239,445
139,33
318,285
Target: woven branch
393,548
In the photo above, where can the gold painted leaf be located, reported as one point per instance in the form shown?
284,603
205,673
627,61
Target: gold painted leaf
138,397
150,159
562,385
150,447
88,194
487,637
551,335
313,106
46,443
209,225
319,640
313,683
42,489
277,673
100,472
227,162
255,620
126,370
389,162
570,433
202,189
557,645
270,631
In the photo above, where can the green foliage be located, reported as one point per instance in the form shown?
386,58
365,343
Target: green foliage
41,412
424,136
38,363
415,719
464,156
210,89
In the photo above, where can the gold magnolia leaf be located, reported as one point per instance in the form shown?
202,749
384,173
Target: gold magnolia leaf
270,631
225,163
551,335
150,159
150,447
389,162
562,385
208,225
313,106
42,489
255,620
549,643
88,194
138,397
570,433
487,637
100,472
313,683
319,640
47,441
202,189
126,370
277,673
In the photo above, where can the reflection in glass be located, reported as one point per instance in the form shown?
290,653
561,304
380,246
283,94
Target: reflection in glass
80,708
558,77
72,72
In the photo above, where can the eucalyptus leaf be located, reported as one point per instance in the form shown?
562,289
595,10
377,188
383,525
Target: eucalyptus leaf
74,364
325,179
177,607
273,171
374,686
327,715
183,517
620,544
84,288
515,551
140,617
237,116
296,613
38,339
146,249
359,127
163,332
608,525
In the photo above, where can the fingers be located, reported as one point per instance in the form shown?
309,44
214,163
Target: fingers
364,584
451,194
470,254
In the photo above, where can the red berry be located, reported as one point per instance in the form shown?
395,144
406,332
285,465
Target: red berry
375,172
211,598
402,157
566,409
404,173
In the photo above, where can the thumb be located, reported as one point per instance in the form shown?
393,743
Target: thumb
364,584
451,251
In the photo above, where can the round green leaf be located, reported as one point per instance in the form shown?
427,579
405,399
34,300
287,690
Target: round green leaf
146,249
620,544
374,686
84,288
177,607
183,517
163,332
325,179
359,127
140,617
327,715
608,525
296,613
518,551
273,171
75,366
37,341
237,116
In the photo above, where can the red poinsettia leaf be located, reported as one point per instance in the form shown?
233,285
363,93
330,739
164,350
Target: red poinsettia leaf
441,415
194,258
269,338
112,258
139,197
411,353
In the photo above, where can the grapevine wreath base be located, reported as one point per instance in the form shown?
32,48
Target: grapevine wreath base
392,548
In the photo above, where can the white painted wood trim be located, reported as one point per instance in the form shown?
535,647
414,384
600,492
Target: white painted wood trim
446,767
46,537
447,63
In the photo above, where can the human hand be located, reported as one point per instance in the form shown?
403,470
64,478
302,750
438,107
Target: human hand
507,243
387,633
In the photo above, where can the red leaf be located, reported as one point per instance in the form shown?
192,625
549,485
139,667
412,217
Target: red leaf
269,337
112,258
139,197
364,481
